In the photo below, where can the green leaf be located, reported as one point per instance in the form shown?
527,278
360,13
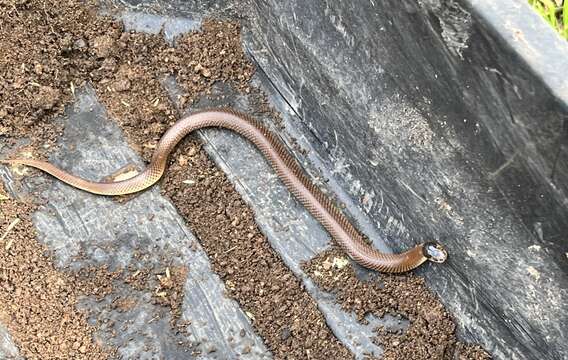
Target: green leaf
553,12
565,18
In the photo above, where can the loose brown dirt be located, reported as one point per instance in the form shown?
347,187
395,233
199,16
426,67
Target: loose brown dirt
283,313
431,334
38,302
52,48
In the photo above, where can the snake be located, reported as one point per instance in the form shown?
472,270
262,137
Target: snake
286,167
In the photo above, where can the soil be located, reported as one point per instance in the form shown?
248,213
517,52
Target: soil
282,312
38,302
54,47
431,333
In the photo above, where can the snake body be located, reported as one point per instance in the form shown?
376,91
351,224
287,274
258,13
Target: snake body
287,169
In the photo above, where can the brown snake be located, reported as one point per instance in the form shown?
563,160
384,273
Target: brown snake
288,171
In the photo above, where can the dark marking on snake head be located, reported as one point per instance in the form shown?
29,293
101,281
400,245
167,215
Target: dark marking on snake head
434,252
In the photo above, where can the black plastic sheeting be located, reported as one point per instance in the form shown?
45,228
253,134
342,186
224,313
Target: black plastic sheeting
445,120
427,119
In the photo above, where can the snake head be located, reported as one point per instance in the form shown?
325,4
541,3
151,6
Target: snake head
434,252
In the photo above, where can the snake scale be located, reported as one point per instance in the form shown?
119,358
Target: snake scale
288,170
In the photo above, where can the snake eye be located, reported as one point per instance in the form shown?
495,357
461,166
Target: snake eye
435,252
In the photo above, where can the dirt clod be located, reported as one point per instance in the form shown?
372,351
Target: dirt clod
46,98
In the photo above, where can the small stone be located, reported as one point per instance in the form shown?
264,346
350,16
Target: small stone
285,334
79,43
122,85
182,160
192,151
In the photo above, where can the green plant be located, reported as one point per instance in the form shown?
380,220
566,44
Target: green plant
555,12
